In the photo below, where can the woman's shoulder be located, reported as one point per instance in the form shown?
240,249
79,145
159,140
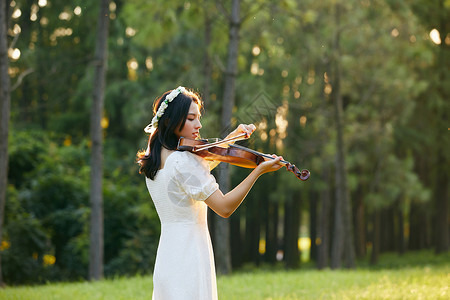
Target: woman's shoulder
183,158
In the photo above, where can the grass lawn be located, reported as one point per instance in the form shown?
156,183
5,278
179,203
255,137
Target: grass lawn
413,276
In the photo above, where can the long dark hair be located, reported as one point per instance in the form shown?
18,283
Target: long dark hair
174,118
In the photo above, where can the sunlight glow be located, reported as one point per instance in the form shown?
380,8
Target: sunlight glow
256,70
77,10
327,89
13,71
303,120
130,31
311,77
64,16
133,64
60,32
263,136
149,63
34,11
5,245
112,6
262,246
42,3
104,122
67,141
281,121
17,29
395,32
44,21
48,260
14,54
304,243
256,51
435,36
16,14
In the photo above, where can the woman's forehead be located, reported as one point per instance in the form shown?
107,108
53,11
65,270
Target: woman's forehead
194,109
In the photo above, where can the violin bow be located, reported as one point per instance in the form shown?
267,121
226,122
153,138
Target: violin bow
204,147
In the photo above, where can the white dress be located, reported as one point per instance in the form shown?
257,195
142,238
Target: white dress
184,268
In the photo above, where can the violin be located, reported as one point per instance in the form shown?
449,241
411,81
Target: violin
234,154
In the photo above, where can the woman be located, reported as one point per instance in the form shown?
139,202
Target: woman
181,187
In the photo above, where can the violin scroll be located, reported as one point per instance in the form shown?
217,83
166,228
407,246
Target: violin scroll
303,175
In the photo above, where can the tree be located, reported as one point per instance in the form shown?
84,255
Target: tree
100,59
343,234
222,226
5,104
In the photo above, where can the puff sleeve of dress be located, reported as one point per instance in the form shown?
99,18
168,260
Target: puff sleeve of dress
190,176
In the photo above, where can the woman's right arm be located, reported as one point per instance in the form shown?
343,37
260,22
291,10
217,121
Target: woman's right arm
225,205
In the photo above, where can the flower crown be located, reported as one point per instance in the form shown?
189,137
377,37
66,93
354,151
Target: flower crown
169,98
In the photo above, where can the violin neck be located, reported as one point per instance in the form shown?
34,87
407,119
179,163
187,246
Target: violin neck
258,153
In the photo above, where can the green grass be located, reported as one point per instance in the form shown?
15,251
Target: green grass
413,276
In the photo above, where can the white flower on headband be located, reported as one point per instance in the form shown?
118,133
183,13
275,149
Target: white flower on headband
169,98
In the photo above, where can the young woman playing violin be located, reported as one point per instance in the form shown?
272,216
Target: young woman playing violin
181,187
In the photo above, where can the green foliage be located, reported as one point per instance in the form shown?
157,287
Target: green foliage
394,86
48,214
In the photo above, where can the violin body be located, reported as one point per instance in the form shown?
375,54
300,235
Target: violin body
235,155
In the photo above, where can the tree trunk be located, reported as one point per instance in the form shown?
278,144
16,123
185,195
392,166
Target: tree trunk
360,228
323,224
222,226
252,228
440,188
442,211
207,64
440,191
222,247
96,196
272,232
236,242
375,237
419,227
343,246
313,226
5,107
401,246
291,232
323,249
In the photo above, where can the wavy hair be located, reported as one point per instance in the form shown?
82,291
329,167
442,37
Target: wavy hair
174,118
